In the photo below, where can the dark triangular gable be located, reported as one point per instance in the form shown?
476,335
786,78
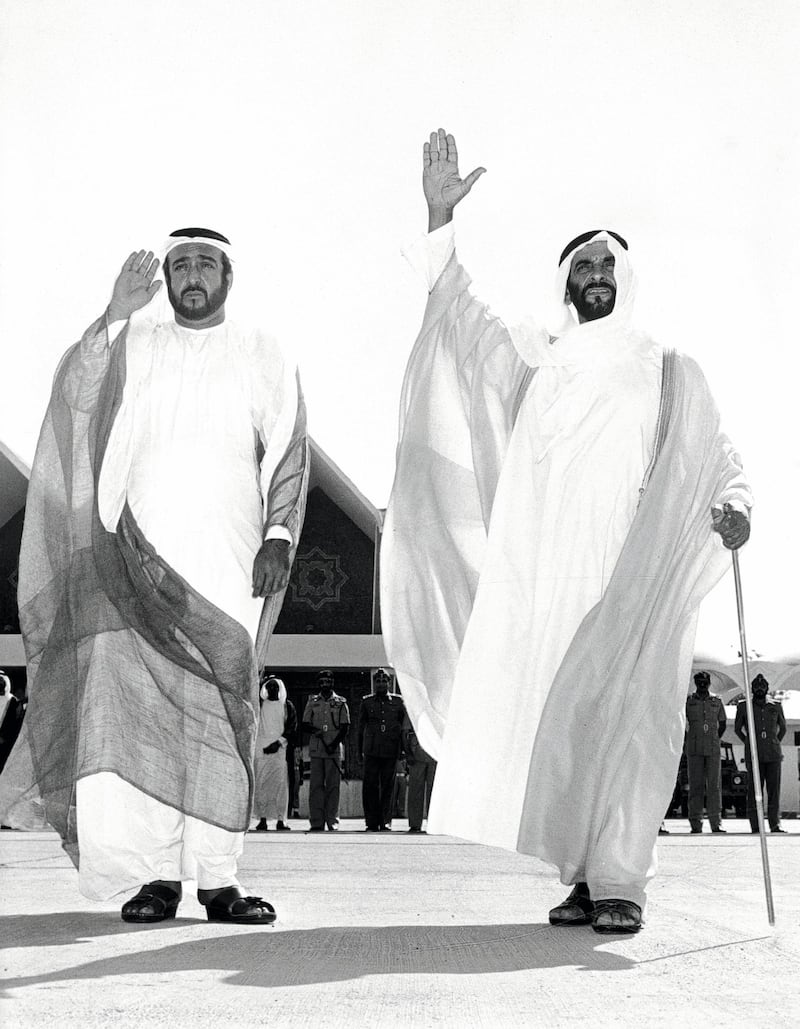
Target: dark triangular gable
332,584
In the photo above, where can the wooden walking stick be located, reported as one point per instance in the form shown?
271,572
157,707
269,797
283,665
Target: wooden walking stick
751,740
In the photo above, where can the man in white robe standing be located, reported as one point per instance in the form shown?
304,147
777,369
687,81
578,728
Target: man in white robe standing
271,771
163,512
551,531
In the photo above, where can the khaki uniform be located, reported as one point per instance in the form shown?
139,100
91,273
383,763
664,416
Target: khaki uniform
329,715
705,724
421,773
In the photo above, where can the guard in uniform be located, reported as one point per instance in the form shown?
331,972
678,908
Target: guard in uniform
421,773
327,719
769,725
705,724
380,740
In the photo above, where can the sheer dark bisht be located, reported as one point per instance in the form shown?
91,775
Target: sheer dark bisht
130,670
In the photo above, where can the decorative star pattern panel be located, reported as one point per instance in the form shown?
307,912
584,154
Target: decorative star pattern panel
318,580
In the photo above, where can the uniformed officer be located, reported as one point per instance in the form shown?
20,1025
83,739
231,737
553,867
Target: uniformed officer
421,773
705,724
769,725
380,728
327,719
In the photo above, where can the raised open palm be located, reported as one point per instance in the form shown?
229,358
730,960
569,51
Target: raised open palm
134,286
441,182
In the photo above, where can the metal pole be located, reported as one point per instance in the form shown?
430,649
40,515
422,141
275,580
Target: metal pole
755,774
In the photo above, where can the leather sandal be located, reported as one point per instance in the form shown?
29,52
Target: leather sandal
616,916
233,905
153,903
577,909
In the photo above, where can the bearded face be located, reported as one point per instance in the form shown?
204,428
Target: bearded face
198,280
591,286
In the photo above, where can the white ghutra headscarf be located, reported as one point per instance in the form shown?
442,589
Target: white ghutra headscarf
159,310
571,342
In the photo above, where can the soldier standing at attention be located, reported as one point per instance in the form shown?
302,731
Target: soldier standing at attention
705,725
380,730
421,773
327,719
770,728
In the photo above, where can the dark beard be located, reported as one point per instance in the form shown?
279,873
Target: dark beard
591,310
193,312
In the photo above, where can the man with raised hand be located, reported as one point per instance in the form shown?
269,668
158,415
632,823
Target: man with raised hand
551,531
164,508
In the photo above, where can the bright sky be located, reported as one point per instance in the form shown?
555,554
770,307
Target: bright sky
296,128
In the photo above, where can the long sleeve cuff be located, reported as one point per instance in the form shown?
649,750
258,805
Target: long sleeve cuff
279,532
736,491
429,253
114,328
740,501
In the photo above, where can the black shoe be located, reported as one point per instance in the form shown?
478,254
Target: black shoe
696,831
719,828
577,909
282,827
616,916
153,903
373,828
663,832
317,828
262,826
385,828
776,828
232,905
333,828
411,828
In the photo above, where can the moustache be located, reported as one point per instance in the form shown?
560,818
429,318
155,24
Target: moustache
602,284
194,289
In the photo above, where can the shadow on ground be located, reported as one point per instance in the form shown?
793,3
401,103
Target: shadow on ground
301,957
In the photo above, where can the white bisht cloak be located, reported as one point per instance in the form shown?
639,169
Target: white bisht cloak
540,618
145,509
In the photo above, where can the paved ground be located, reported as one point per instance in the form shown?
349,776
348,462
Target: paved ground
398,930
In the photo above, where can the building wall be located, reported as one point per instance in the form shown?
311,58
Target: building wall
331,586
10,539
